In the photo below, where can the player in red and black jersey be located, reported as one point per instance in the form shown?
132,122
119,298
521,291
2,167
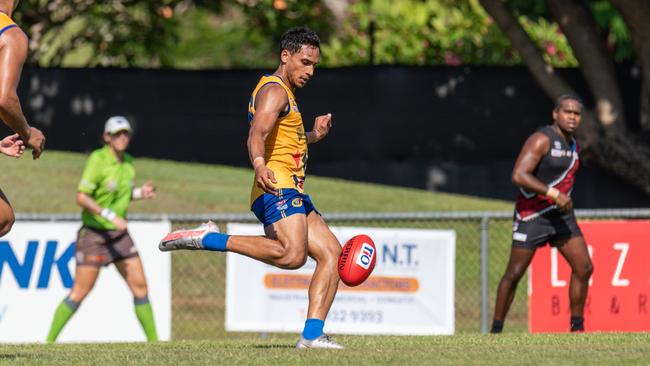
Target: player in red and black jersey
545,172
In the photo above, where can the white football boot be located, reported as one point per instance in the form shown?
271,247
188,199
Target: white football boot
189,239
324,341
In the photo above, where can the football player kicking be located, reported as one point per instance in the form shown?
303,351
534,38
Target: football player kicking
277,147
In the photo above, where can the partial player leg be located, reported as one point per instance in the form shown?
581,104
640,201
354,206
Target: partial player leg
324,248
7,217
84,280
133,273
574,250
284,246
520,258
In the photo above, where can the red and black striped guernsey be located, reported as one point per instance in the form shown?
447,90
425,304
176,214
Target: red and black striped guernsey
556,169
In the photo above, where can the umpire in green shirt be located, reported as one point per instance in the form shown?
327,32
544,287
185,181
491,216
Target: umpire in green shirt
104,193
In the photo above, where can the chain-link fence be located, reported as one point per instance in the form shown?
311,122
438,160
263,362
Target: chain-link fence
483,241
198,280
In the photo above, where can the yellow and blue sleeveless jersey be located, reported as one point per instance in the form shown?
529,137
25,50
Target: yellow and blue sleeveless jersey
6,23
285,148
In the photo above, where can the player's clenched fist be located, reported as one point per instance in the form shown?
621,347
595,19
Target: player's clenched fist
322,126
564,203
36,141
264,177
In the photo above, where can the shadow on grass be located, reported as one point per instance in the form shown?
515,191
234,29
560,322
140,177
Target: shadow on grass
12,356
273,346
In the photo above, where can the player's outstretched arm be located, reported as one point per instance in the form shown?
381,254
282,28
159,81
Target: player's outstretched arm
529,158
89,204
322,126
270,102
13,52
12,146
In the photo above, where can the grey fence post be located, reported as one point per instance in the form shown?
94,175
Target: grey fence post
485,227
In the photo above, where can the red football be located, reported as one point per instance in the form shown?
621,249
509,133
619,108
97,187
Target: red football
357,260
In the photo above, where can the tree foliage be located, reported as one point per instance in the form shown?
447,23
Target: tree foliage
417,32
98,33
244,33
240,33
218,40
274,17
456,32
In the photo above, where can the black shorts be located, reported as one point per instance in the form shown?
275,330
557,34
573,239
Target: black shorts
548,228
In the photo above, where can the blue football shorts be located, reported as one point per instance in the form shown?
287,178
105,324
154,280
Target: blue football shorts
269,208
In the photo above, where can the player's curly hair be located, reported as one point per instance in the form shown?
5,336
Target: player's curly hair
294,38
563,97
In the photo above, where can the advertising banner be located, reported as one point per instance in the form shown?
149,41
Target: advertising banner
619,289
37,269
410,292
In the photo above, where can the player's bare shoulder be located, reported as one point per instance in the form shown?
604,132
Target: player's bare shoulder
271,97
538,142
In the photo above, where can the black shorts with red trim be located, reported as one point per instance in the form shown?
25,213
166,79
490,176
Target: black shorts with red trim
551,228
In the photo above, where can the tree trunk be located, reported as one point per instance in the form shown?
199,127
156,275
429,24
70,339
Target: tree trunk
618,153
545,75
580,29
645,108
637,17
624,157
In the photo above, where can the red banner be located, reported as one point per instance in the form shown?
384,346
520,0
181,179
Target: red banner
619,290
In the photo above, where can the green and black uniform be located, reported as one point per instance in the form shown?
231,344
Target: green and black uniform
109,182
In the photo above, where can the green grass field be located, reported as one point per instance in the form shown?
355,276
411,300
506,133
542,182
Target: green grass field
502,350
49,185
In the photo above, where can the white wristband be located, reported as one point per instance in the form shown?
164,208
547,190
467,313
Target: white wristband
255,160
137,193
553,193
108,214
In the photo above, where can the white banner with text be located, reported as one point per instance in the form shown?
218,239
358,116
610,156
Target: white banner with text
37,270
410,292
